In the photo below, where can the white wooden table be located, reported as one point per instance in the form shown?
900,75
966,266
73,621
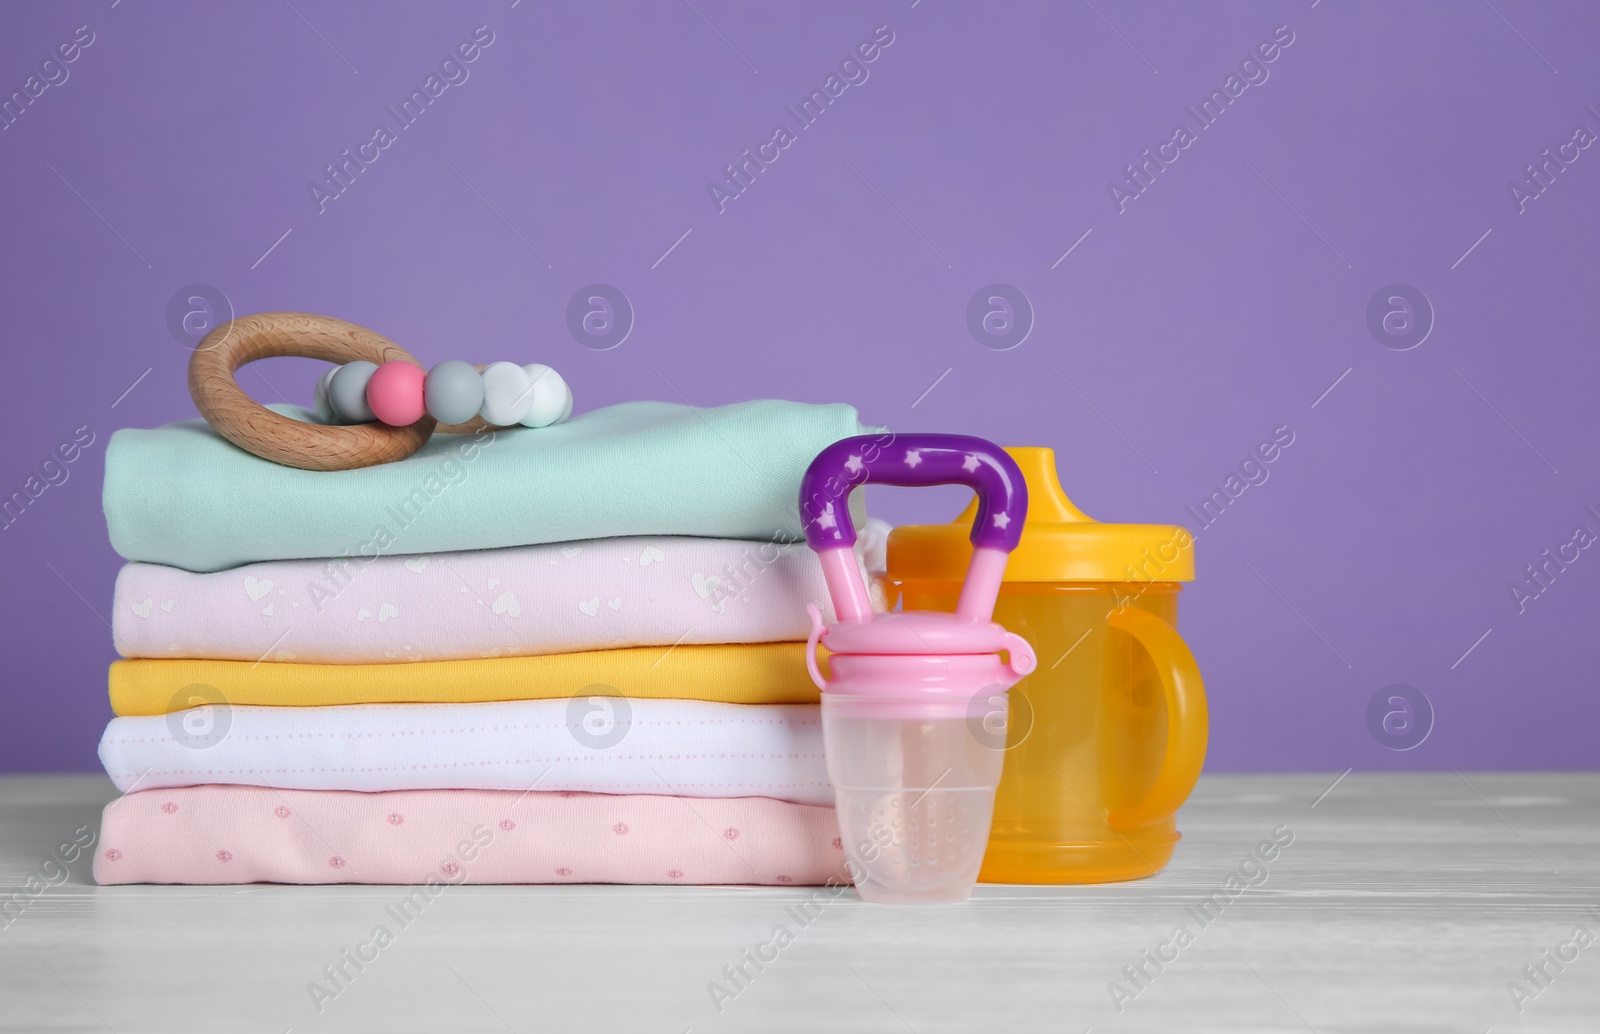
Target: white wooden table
1405,903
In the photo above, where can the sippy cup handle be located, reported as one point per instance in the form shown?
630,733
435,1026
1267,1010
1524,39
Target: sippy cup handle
913,459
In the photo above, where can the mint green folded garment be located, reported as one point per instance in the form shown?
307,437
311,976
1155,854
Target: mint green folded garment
183,495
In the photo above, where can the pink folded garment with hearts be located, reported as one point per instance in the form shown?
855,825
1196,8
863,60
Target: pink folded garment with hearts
518,602
436,838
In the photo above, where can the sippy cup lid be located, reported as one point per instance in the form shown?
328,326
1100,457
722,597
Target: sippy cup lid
1060,543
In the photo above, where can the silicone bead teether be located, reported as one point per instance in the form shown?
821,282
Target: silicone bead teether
284,439
379,406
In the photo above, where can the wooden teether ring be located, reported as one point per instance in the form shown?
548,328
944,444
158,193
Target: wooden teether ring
254,428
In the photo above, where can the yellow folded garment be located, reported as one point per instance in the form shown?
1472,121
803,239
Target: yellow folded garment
745,673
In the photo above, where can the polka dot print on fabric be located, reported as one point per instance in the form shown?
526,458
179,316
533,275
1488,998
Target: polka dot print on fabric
222,834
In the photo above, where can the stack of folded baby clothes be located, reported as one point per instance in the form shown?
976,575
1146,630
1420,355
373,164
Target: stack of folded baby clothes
571,654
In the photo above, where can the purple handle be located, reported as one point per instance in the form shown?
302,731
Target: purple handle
913,459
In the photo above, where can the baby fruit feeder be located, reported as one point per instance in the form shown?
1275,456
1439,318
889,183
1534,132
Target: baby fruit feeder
913,717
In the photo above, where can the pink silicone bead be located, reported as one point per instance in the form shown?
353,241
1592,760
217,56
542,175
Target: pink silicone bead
395,393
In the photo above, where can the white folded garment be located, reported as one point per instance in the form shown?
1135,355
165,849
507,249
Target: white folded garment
683,748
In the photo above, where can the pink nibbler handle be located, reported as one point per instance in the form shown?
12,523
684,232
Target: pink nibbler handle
848,591
913,459
982,584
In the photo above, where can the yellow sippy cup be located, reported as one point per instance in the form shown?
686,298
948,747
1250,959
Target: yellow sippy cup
1106,738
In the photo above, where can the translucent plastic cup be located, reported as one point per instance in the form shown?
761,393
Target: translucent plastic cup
915,794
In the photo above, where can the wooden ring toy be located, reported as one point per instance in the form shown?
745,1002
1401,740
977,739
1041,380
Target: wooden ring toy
257,429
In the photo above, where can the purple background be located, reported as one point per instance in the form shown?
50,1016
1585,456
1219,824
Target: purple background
1172,339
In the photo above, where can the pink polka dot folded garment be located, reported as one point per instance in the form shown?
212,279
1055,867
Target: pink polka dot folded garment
436,838
617,745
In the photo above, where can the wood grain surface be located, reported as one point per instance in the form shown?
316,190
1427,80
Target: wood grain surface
1404,903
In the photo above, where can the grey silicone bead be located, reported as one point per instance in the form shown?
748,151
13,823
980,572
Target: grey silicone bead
347,392
320,403
453,392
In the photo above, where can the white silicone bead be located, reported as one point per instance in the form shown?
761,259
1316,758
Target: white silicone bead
507,394
321,404
552,399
